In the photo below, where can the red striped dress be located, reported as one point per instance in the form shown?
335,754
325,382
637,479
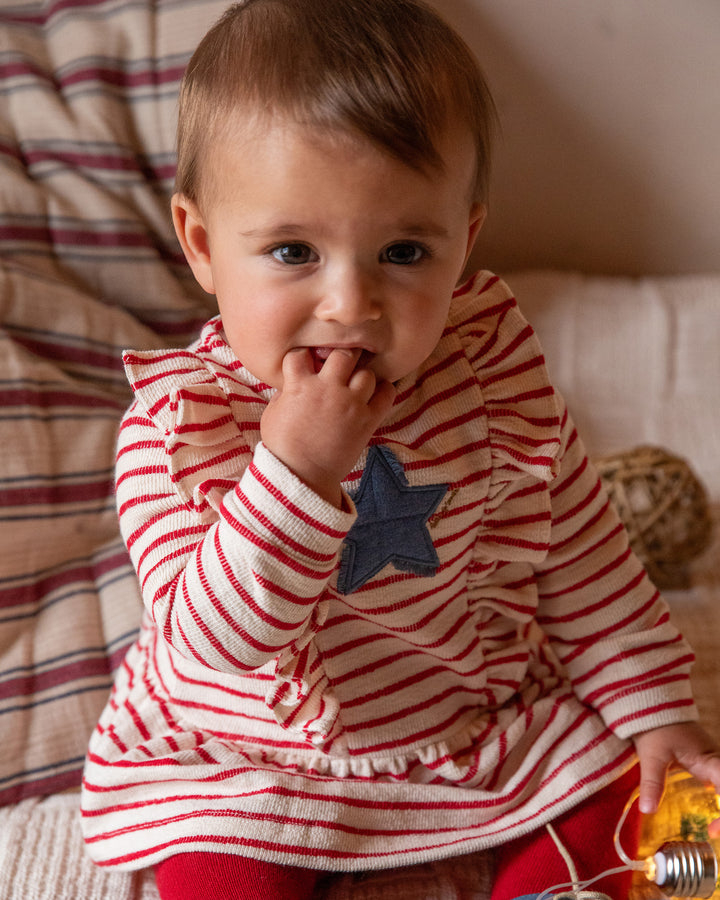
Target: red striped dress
430,710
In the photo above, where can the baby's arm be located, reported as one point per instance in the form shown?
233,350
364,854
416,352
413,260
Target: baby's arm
319,423
613,631
686,745
605,619
229,591
234,593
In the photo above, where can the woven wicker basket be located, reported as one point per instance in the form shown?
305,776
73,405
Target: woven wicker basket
664,508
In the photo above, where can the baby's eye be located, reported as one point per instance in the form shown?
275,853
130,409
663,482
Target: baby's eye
293,254
404,254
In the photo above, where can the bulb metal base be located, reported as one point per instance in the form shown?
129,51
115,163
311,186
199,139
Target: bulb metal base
687,869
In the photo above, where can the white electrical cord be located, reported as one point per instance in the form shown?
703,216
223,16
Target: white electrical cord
637,865
576,889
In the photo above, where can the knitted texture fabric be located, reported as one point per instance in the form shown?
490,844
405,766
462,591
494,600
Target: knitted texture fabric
42,857
266,712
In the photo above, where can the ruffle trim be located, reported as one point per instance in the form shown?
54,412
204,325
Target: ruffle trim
198,400
467,758
301,697
523,419
455,760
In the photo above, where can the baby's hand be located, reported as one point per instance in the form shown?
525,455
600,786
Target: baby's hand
686,744
320,422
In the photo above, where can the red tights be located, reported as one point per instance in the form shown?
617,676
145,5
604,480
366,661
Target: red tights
224,876
531,864
527,865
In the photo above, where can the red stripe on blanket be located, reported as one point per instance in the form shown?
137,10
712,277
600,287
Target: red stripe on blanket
50,399
56,494
43,16
34,683
119,77
83,575
42,786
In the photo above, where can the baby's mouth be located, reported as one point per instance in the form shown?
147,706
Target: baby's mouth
321,354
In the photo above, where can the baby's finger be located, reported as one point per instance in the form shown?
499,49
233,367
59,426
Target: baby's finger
297,363
363,382
705,767
383,399
340,364
652,787
655,758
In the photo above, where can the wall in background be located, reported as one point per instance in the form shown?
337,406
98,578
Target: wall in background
609,156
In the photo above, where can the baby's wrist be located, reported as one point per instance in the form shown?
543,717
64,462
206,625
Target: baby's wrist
325,484
331,491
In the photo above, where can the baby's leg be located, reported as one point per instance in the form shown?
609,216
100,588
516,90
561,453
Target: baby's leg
531,864
222,876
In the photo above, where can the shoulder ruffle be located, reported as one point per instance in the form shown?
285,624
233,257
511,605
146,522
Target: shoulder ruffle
523,417
208,415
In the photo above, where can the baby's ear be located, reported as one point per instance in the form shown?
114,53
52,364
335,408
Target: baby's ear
192,234
478,214
476,220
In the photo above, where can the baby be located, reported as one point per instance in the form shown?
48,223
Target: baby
390,614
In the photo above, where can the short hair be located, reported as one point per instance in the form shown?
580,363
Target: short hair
392,71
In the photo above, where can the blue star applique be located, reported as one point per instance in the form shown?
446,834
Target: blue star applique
391,526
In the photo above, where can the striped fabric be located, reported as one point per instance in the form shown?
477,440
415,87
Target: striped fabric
264,712
88,265
89,93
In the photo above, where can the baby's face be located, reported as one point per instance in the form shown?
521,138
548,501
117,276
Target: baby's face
318,242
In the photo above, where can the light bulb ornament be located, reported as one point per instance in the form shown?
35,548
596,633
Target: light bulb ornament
683,867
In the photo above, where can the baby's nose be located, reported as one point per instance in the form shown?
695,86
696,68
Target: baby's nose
351,299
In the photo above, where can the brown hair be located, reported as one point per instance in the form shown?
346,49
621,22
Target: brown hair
391,70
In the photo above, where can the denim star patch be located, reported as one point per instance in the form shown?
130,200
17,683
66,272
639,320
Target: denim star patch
391,527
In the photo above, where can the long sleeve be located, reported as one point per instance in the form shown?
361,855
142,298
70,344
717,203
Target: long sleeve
234,592
605,620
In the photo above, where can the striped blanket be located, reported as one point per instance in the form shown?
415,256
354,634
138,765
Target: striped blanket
88,266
